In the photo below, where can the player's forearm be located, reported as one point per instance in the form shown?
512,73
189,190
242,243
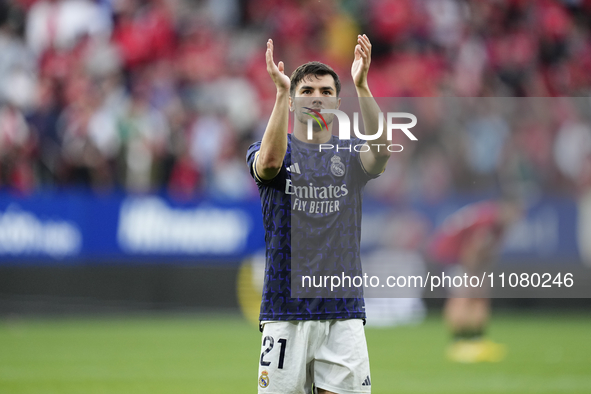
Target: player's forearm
274,143
370,112
375,159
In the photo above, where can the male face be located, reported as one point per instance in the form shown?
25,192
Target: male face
315,92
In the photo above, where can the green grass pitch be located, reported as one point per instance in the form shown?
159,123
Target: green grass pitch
219,354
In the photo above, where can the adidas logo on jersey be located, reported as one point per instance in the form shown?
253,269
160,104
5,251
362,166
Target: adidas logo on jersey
366,382
295,168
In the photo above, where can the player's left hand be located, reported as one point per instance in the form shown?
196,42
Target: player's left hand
362,60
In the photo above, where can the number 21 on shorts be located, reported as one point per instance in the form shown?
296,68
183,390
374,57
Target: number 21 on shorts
270,342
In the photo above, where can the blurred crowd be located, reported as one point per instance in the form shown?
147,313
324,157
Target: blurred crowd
166,95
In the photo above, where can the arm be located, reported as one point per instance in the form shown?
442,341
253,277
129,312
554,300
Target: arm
375,159
478,250
274,143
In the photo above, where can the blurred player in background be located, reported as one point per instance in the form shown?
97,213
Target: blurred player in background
469,240
313,342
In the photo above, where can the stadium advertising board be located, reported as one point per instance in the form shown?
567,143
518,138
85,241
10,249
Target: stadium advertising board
77,226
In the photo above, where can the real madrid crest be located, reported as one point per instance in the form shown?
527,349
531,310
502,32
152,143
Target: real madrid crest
337,168
264,379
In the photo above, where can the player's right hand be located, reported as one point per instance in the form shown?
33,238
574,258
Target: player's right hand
276,71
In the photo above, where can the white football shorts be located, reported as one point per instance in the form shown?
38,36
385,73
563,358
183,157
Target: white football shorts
331,354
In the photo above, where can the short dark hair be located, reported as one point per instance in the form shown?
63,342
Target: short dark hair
312,68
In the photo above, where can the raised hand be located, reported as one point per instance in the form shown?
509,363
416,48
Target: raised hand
277,72
361,62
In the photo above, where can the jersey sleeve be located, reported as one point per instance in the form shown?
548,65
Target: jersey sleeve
251,158
360,172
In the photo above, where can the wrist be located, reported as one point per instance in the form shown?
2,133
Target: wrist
282,93
363,89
